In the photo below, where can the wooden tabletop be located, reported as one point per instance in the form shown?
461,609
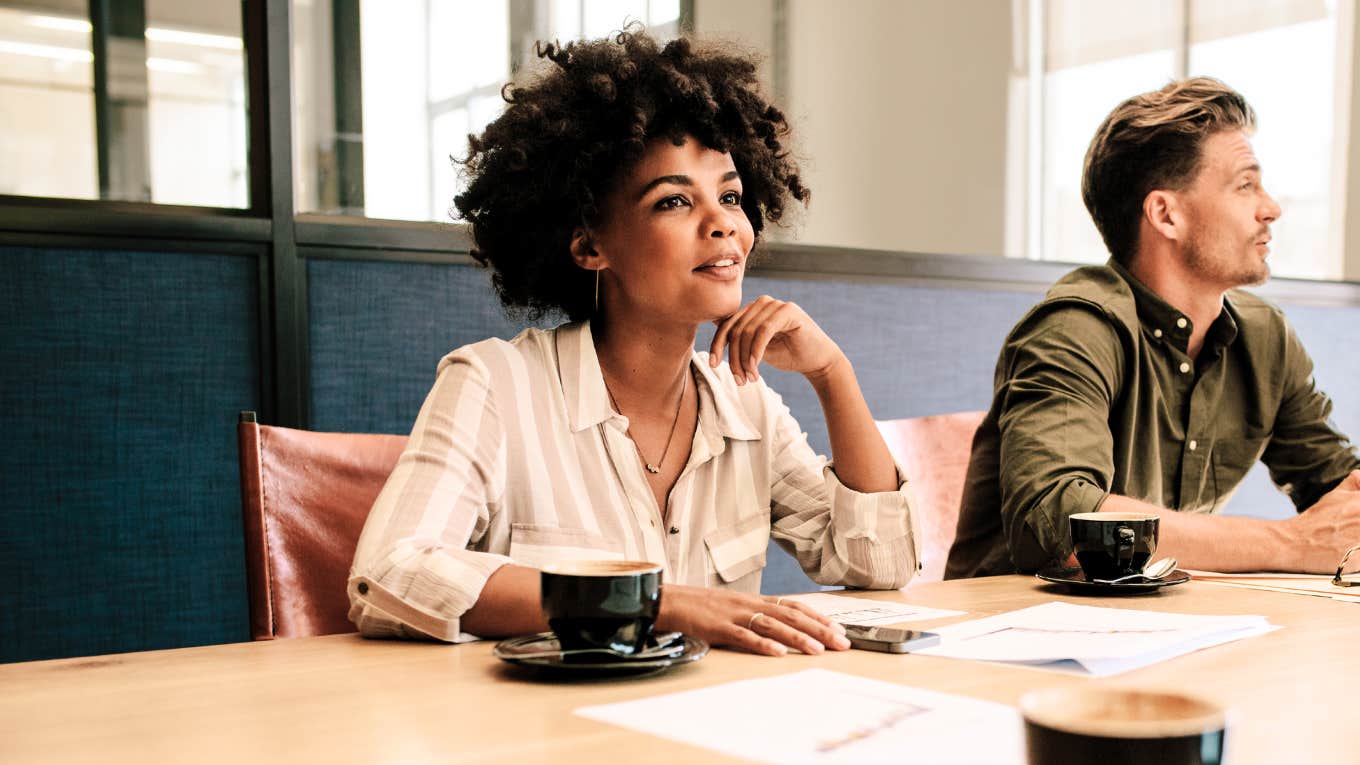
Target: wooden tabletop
1292,693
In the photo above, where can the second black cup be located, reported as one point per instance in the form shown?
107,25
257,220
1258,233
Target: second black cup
1111,545
602,604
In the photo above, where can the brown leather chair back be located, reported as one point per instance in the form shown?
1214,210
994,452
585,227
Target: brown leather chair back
304,499
934,452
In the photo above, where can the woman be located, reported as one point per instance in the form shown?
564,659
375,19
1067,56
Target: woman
625,187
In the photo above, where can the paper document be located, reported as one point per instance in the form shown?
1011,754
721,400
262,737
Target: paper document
847,610
823,717
1089,640
1293,584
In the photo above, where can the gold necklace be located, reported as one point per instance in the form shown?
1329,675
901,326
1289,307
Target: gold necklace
684,383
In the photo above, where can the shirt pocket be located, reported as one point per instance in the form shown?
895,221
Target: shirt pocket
737,553
535,546
1232,459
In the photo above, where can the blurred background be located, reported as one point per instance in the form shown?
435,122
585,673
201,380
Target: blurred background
926,126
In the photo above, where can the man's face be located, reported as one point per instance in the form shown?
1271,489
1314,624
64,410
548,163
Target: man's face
1228,214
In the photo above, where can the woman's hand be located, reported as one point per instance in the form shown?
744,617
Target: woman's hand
777,332
759,624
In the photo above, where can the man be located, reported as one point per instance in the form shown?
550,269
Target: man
1151,384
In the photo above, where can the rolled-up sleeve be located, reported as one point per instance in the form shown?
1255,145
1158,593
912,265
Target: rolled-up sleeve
414,574
838,535
1060,377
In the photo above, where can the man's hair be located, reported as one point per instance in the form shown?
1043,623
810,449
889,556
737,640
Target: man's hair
543,168
1153,141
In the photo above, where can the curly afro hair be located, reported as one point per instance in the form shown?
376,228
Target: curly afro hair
541,169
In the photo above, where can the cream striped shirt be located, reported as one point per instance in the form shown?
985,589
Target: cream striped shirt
518,456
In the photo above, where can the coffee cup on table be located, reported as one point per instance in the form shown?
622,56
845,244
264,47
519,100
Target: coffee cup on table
1114,726
602,604
1111,545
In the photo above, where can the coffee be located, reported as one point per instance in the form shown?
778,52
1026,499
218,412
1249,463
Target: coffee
1115,726
602,604
1111,545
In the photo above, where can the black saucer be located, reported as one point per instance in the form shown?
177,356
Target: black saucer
1075,581
543,653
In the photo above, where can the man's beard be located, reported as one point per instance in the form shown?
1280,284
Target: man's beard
1247,271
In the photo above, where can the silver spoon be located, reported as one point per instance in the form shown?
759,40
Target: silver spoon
665,648
1151,572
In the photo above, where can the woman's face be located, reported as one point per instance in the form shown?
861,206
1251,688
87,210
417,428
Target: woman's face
673,238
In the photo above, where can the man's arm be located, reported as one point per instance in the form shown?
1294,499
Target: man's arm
1306,454
1312,542
1060,372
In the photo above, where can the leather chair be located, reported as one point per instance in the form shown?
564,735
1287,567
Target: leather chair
934,452
304,499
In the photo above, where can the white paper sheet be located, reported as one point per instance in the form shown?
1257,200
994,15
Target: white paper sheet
1089,640
863,611
827,718
1317,585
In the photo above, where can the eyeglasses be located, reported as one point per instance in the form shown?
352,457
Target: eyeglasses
1351,579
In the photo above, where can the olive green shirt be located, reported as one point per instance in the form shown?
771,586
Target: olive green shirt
1095,394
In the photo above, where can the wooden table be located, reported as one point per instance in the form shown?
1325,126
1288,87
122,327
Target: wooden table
336,699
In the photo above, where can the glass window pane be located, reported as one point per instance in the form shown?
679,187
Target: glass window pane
429,73
1077,99
47,144
1292,92
1099,52
176,113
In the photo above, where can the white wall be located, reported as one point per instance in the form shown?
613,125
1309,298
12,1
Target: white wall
899,113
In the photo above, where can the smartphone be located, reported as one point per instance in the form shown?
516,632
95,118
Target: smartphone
889,639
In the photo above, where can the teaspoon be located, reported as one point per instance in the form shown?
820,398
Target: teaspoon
1151,572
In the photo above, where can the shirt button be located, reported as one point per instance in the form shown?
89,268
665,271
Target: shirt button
1193,443
1156,333
1181,322
674,530
1185,367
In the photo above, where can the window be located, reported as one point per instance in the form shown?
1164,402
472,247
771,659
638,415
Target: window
149,106
1280,54
376,134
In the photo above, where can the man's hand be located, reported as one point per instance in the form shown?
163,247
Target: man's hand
1322,533
764,625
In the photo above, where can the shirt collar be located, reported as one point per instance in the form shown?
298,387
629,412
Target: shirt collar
582,381
1165,321
588,401
729,420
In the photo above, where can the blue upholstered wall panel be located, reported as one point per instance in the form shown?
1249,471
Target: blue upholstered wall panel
120,377
379,329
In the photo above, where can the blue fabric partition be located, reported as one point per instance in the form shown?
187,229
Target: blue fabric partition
378,329
120,377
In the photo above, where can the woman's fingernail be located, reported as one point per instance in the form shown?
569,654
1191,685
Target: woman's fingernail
780,649
750,378
838,627
842,642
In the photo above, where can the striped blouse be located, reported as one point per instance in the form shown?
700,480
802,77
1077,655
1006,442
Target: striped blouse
518,456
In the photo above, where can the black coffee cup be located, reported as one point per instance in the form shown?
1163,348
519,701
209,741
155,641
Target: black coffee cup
602,604
1111,545
1114,726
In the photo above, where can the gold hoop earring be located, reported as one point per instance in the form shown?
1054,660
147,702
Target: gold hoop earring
597,290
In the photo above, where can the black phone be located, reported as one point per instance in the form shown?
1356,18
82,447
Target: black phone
889,639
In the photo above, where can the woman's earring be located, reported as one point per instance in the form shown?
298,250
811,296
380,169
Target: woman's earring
597,290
